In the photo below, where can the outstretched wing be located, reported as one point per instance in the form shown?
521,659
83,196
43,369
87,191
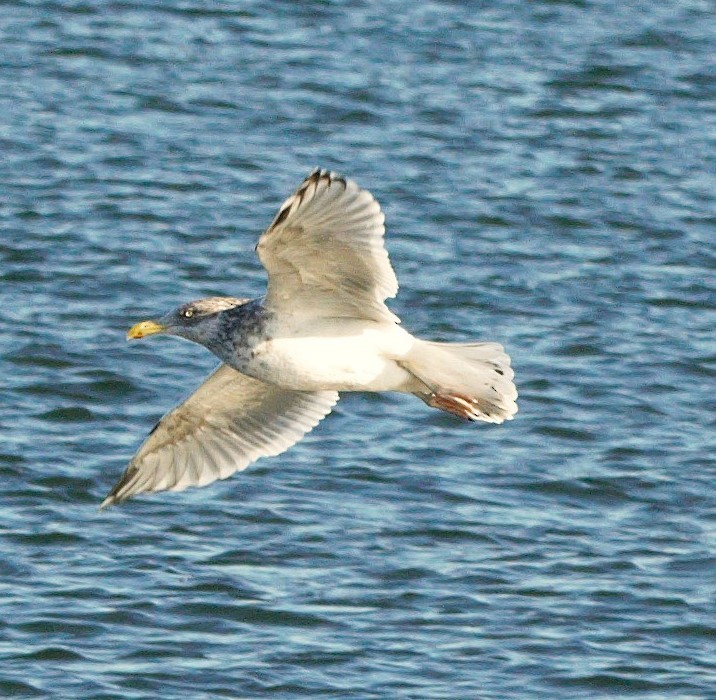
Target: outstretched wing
226,424
324,252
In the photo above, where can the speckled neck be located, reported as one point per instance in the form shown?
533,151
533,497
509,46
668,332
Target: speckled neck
239,329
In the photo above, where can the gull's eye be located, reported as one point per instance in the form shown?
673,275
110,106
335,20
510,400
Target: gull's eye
187,313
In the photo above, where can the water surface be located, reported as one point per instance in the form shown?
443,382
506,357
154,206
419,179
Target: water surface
547,170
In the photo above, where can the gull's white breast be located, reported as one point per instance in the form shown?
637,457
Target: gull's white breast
333,354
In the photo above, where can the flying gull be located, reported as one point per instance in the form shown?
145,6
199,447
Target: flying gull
321,328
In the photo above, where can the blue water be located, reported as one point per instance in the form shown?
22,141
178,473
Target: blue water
548,173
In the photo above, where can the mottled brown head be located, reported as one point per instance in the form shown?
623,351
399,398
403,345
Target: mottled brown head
188,321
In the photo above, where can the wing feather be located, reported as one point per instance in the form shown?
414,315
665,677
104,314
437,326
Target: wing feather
226,424
324,252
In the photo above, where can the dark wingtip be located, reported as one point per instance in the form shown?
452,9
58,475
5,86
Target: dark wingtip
313,178
318,174
116,496
109,501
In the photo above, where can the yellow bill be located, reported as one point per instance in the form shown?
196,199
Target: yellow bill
144,328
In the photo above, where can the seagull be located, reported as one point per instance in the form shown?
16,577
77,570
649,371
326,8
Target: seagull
321,328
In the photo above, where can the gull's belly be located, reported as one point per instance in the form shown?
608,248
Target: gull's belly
358,359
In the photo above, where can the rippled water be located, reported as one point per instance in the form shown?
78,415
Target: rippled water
547,170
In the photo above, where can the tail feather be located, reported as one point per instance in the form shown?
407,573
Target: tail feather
469,380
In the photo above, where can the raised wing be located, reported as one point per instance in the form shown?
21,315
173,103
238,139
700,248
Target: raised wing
324,252
226,424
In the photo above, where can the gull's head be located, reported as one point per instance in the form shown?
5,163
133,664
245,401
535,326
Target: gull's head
197,320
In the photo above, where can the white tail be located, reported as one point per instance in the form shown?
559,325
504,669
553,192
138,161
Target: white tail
469,380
